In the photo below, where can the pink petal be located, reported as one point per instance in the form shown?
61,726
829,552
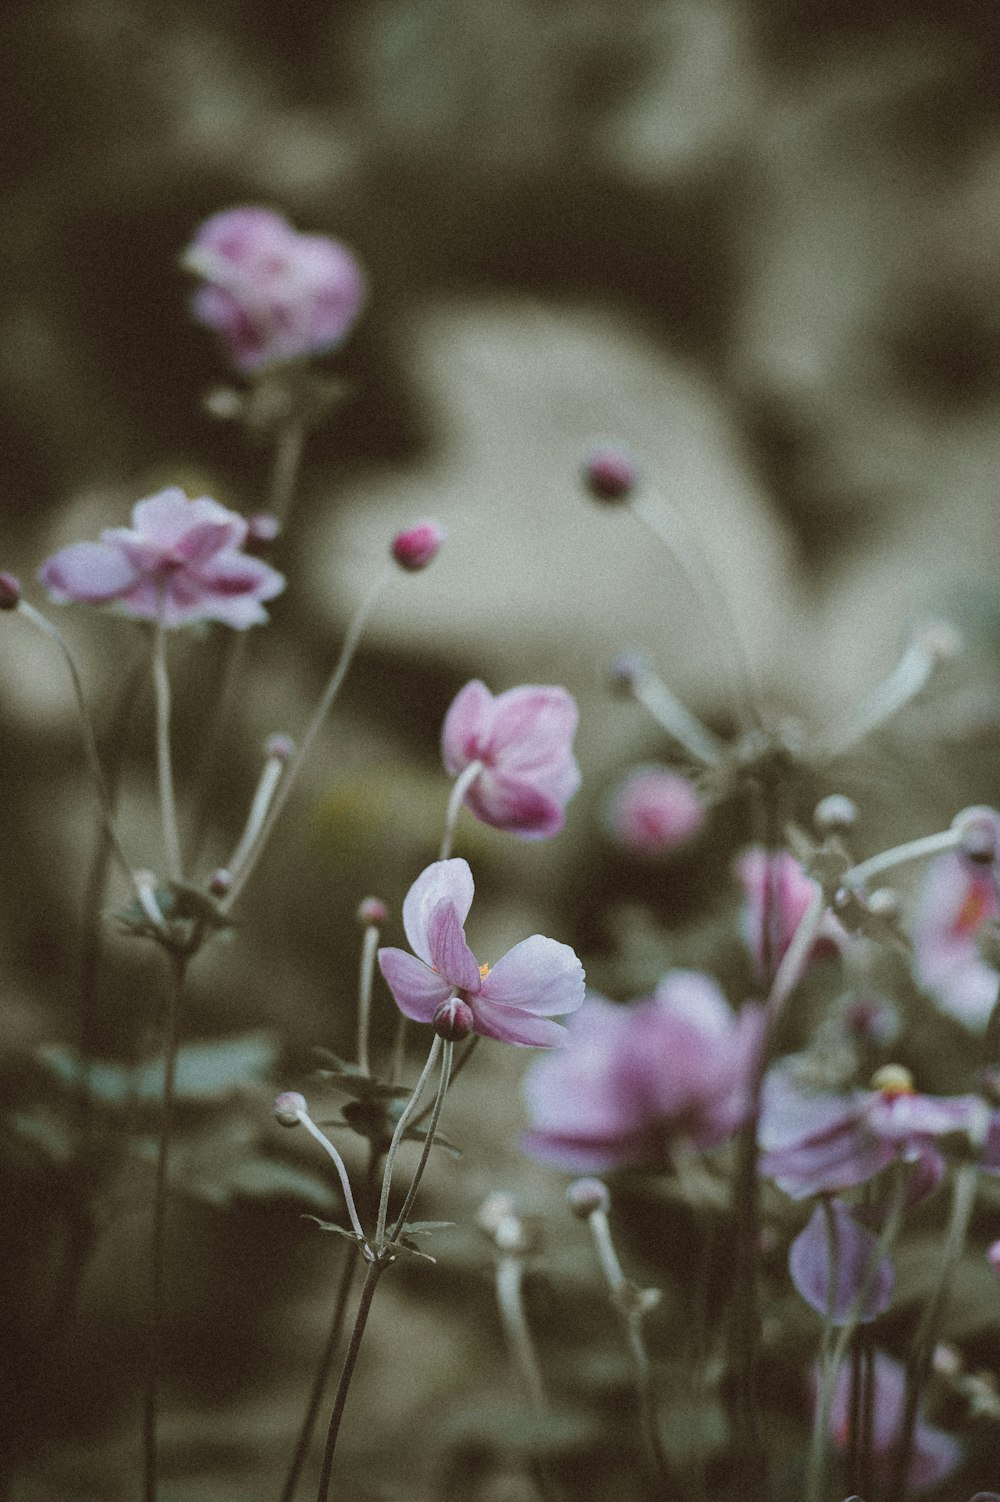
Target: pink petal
465,726
204,540
532,725
811,1271
92,573
450,954
451,879
416,989
232,574
511,804
509,1025
538,975
162,518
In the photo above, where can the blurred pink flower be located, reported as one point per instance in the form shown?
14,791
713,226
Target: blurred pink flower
179,561
654,810
778,892
957,898
640,1080
524,739
513,1002
935,1453
270,292
812,1269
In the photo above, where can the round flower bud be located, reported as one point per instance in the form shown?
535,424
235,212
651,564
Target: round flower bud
979,828
834,814
279,747
883,903
454,1020
584,1196
946,1360
418,545
653,811
372,912
625,670
10,592
495,1208
219,882
610,473
264,527
287,1107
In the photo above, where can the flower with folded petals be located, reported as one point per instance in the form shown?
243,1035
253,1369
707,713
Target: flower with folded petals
179,562
523,743
640,1081
778,892
654,810
935,1453
514,1001
271,293
957,898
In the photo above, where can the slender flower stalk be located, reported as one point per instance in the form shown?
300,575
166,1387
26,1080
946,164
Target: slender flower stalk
327,697
678,721
907,679
458,792
900,855
375,1271
165,776
447,1053
279,751
404,1120
303,1116
366,972
289,446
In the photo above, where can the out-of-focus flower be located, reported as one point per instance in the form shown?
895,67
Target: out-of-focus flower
641,1080
935,1453
993,1256
819,1142
417,546
271,293
654,810
809,1263
179,562
778,892
524,740
514,1001
610,473
957,898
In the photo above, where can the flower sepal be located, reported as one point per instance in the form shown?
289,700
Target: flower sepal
190,916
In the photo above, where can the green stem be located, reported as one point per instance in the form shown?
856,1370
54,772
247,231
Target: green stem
458,792
397,1137
165,776
428,1143
365,976
375,1271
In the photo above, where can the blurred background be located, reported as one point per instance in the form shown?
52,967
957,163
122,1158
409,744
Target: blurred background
757,242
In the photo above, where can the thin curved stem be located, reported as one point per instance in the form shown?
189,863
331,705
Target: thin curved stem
458,792
341,1168
428,1143
366,971
375,1271
397,1137
164,768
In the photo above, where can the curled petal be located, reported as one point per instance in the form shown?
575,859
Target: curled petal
416,989
450,955
464,724
511,803
444,879
538,975
509,1025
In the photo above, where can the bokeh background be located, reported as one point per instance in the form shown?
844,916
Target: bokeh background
759,243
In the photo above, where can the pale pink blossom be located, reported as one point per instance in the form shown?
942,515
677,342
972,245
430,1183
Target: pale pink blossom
654,810
524,740
179,562
513,1001
958,897
639,1081
935,1453
271,293
777,893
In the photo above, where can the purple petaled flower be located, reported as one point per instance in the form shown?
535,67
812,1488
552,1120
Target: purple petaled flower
654,810
524,740
935,1453
778,892
819,1142
179,562
271,293
639,1081
833,1228
514,1001
957,898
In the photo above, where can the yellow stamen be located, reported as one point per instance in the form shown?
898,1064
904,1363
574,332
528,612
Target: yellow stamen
484,971
893,1080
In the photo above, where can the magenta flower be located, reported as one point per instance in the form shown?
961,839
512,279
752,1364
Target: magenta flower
654,810
180,562
272,293
809,1264
524,740
935,1453
778,892
957,898
512,1001
640,1081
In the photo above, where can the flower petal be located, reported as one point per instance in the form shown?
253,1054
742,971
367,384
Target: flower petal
416,990
515,805
538,975
809,1264
451,879
466,726
89,572
510,1025
450,954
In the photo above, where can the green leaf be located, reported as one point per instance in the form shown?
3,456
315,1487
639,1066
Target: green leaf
424,1227
206,1072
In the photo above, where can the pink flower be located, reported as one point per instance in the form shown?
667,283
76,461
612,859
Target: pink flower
654,810
179,561
524,740
270,292
778,892
957,898
935,1453
536,980
640,1080
809,1264
417,546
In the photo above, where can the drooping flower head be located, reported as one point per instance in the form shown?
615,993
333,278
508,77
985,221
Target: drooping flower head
958,897
524,740
935,1453
180,561
654,810
513,1001
777,893
271,293
640,1080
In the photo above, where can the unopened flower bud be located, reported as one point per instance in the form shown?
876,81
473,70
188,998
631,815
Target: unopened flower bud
225,403
287,1107
219,882
454,1020
584,1196
372,912
834,814
610,473
279,747
883,903
625,670
494,1209
654,811
979,828
10,592
946,1361
415,547
263,527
